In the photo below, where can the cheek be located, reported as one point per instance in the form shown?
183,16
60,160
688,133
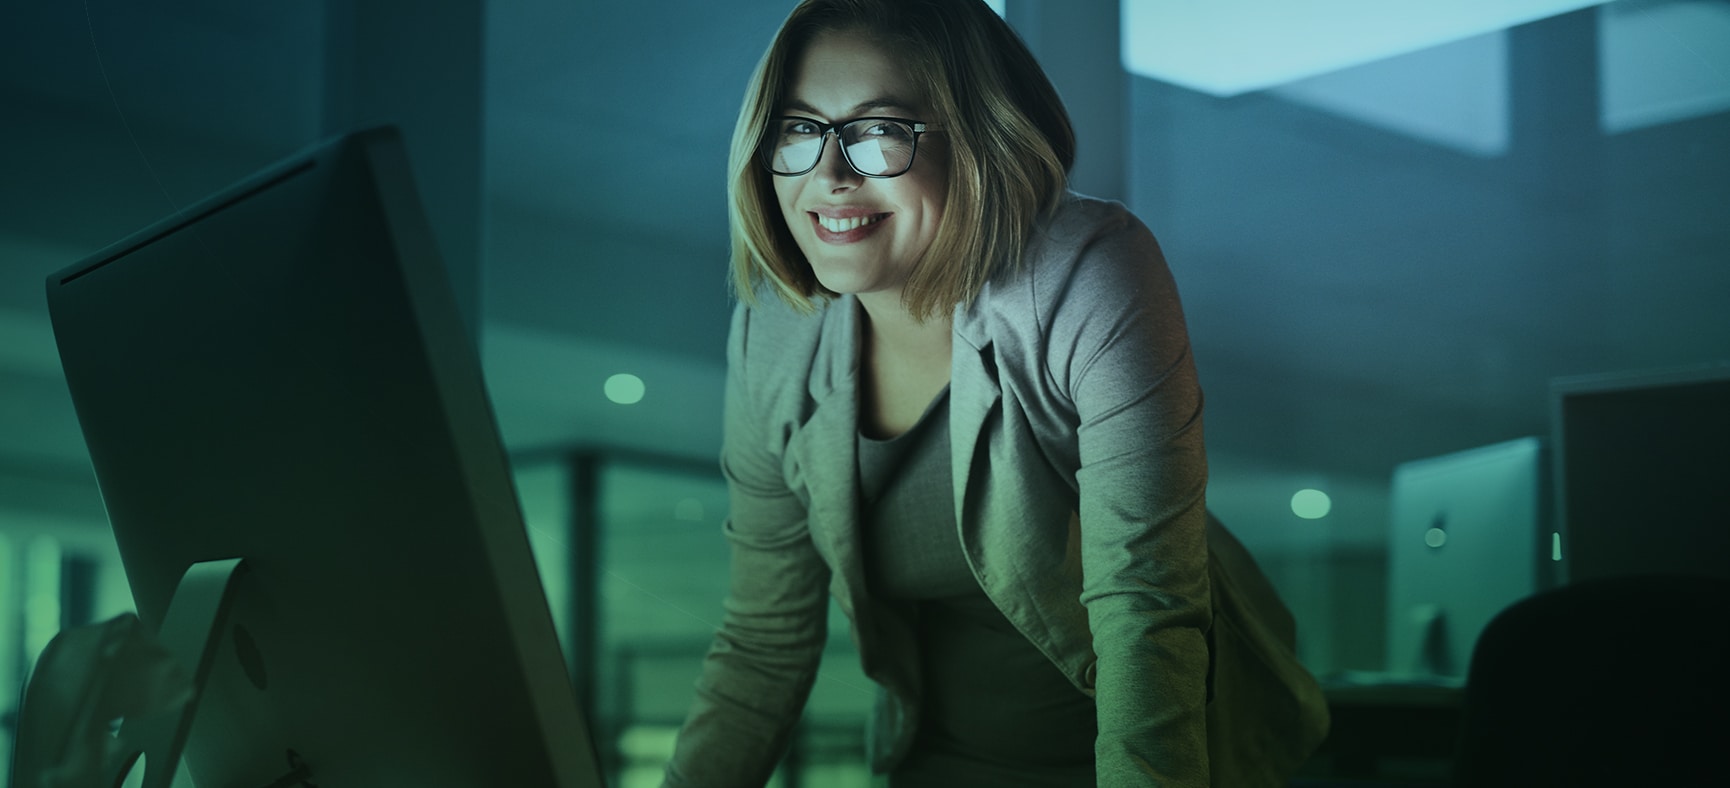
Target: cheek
932,188
937,197
933,194
784,195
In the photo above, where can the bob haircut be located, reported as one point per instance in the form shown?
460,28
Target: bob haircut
1009,138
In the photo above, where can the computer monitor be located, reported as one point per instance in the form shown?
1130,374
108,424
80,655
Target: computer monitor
1469,535
279,375
1643,472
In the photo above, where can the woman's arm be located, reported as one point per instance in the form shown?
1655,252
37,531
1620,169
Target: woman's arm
759,671
1120,350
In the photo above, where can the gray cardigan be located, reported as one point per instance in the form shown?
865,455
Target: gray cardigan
1080,473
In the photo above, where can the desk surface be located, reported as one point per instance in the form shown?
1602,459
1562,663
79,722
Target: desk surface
1388,689
1390,729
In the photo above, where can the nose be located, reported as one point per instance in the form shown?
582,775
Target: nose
833,172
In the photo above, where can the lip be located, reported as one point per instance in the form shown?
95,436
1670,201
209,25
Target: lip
846,212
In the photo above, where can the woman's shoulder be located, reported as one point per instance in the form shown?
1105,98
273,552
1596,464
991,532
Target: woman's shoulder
772,343
1085,241
1081,224
1077,214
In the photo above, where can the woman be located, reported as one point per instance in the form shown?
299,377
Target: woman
961,401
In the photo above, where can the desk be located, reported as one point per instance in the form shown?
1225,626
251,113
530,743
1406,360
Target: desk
1389,731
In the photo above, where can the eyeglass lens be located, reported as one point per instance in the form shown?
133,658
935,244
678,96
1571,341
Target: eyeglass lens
874,146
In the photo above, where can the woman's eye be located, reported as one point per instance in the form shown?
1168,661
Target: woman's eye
886,131
802,129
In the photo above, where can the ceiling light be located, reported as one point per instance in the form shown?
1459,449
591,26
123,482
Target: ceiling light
1227,47
1311,504
624,388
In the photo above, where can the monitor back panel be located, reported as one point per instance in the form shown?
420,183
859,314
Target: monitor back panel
279,374
1643,468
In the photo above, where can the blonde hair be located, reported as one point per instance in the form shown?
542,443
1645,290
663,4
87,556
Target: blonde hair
1009,139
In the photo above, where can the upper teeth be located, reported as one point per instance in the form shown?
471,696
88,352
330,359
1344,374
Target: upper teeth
843,225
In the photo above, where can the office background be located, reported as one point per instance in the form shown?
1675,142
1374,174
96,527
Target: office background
1384,256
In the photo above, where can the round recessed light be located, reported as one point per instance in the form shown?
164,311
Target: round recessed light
1311,504
624,388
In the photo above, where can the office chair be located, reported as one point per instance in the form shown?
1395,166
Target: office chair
1620,681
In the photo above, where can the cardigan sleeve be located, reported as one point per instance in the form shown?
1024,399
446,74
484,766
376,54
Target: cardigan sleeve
765,655
1118,348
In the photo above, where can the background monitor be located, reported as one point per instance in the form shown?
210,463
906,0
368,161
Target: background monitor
1643,472
279,374
1469,536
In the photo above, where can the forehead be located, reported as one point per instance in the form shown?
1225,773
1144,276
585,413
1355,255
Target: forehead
842,74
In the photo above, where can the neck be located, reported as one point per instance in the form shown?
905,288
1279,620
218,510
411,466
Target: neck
894,330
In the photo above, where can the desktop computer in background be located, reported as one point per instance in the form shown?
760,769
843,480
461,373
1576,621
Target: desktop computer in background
1469,535
1633,479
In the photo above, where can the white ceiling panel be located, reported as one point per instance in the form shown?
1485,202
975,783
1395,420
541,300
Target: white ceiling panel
1227,47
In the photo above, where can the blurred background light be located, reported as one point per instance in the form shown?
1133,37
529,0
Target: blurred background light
625,389
1311,504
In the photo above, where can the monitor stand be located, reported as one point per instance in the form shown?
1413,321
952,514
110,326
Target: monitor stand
191,631
1434,655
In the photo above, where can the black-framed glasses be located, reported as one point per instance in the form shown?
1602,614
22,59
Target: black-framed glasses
873,147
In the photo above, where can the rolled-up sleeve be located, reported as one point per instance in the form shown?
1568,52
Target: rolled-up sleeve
765,655
1119,349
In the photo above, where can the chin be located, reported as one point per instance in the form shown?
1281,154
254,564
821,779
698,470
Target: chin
835,283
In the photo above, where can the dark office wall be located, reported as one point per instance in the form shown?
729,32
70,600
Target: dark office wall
1358,298
130,113
1428,295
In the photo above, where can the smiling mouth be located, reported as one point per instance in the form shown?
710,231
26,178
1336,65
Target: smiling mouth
848,224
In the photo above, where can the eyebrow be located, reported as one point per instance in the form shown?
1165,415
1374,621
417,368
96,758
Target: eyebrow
879,103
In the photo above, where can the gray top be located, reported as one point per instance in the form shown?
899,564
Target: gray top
993,705
906,494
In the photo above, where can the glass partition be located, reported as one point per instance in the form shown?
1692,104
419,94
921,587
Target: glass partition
660,579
